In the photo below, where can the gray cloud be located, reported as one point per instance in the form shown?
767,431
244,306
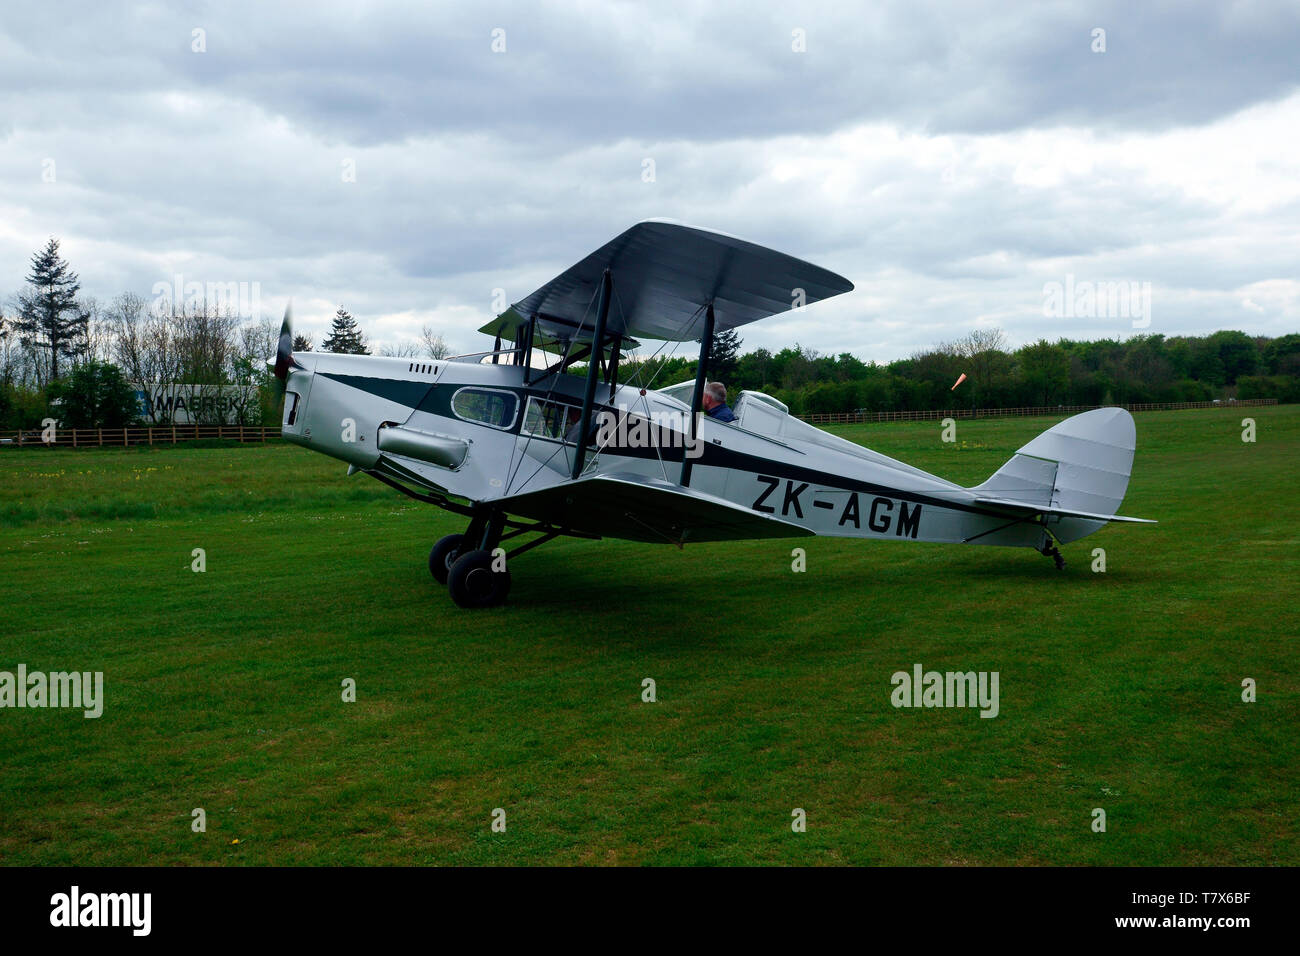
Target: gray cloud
949,160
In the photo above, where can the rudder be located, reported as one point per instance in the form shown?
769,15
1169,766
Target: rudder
1080,464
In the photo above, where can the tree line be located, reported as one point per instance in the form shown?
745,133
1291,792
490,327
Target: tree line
1136,370
72,357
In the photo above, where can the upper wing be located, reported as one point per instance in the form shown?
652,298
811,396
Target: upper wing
645,509
663,275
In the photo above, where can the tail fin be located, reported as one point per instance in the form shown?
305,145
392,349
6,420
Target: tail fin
1077,468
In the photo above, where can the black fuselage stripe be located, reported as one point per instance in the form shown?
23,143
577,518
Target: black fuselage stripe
715,456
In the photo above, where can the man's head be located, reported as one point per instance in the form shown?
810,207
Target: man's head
715,393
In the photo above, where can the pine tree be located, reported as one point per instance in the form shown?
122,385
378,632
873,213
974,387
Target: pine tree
302,343
345,336
722,355
50,316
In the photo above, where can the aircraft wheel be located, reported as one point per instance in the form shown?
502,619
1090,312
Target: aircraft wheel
444,555
472,583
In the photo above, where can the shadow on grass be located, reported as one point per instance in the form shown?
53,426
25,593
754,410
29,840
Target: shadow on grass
1076,571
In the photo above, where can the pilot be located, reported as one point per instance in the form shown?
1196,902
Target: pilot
572,423
715,402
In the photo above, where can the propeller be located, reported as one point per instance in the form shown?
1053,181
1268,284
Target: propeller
284,359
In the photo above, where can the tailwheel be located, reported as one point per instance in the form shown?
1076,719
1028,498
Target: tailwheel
473,583
1052,551
444,555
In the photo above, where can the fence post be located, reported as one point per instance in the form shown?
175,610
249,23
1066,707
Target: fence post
100,431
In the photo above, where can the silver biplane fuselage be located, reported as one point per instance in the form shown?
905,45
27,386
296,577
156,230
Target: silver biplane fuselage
521,449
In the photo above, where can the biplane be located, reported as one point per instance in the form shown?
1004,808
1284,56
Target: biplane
538,438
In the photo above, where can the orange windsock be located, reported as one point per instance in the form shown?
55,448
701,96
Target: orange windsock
958,382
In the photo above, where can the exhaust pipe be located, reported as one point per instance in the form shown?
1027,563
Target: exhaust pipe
441,450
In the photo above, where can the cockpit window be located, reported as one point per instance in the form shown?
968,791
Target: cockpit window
547,419
486,406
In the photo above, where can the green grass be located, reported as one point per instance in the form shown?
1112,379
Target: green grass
1119,690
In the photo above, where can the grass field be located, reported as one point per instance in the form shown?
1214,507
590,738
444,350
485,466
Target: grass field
1119,690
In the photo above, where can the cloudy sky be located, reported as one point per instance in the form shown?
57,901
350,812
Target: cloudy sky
953,161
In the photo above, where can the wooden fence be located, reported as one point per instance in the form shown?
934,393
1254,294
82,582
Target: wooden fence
845,418
161,435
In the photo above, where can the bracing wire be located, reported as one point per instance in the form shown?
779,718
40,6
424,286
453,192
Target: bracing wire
550,391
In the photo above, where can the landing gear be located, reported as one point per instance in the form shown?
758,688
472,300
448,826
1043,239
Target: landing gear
474,582
1050,549
444,555
473,565
474,577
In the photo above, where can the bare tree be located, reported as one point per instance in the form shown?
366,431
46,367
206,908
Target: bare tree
8,340
9,351
258,342
145,346
983,353
88,333
97,336
126,317
435,346
406,349
982,340
207,346
207,360
21,363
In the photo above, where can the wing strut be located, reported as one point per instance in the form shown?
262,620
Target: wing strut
593,372
697,398
525,354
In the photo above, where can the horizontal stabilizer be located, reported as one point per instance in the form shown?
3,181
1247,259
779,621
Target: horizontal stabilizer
1028,507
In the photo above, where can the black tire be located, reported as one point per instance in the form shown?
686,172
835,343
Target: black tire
444,555
473,584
